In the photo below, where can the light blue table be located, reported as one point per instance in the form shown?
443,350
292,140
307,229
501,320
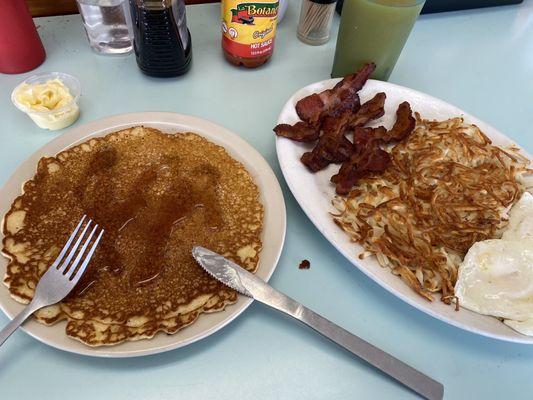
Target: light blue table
481,61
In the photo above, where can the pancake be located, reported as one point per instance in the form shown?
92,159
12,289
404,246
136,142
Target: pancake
156,195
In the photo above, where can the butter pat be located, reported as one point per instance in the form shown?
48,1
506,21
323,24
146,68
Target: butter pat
47,96
50,100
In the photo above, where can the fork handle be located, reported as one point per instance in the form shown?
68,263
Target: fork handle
16,322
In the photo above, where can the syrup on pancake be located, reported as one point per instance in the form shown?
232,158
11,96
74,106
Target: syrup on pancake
156,195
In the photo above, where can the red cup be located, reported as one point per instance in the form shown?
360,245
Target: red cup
21,48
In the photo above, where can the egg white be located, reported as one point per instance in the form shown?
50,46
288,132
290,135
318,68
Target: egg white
496,276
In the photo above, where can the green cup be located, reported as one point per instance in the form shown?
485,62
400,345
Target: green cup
373,30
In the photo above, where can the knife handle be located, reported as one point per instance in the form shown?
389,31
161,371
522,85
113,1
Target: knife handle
403,373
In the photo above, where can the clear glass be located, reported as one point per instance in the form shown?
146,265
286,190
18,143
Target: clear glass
373,30
314,26
108,25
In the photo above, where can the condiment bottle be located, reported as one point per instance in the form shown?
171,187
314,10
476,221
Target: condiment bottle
21,48
248,31
316,16
162,41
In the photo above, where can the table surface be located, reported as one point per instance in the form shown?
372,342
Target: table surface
479,60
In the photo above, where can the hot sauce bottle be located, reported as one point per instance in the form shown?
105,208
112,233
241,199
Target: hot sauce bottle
248,31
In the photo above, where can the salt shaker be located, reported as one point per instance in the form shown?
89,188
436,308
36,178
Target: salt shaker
316,16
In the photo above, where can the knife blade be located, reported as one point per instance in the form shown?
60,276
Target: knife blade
232,275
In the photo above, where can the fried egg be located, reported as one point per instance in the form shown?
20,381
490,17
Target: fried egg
496,276
520,219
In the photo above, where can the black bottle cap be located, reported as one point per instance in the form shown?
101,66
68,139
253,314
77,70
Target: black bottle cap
323,1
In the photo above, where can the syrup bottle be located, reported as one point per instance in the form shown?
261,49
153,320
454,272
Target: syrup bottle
162,41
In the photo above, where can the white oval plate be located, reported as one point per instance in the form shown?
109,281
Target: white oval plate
273,232
314,193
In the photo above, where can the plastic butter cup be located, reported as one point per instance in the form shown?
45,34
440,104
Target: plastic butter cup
55,118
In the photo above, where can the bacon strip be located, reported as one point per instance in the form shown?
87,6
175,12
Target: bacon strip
405,123
328,115
333,146
300,132
313,161
329,150
344,94
364,135
367,158
372,109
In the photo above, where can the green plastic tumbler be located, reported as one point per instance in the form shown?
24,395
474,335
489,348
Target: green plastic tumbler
373,30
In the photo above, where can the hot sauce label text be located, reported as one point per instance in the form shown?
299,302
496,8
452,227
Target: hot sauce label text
248,29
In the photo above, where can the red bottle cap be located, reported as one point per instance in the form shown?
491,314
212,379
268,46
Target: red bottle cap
21,48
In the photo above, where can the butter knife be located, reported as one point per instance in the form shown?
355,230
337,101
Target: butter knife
252,286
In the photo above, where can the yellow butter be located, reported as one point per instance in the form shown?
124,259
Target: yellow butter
51,95
50,104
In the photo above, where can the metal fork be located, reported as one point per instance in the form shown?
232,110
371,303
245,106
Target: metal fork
62,275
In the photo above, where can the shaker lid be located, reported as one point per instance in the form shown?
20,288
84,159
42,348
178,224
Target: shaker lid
323,1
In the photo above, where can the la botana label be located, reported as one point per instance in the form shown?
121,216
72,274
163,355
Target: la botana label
248,29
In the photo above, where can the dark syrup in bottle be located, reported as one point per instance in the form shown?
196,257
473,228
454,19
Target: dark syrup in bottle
162,41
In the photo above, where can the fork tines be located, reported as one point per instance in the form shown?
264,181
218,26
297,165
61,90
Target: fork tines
77,252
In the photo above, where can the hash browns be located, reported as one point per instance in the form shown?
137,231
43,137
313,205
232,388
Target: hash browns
445,188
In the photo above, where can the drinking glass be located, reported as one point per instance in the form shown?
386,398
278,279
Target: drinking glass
373,30
107,24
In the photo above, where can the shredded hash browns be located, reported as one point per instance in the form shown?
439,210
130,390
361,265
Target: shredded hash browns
446,188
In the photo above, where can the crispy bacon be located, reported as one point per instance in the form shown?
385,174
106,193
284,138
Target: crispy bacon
362,136
309,108
329,115
405,123
334,149
300,132
313,161
335,125
367,158
333,146
330,149
343,94
372,109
